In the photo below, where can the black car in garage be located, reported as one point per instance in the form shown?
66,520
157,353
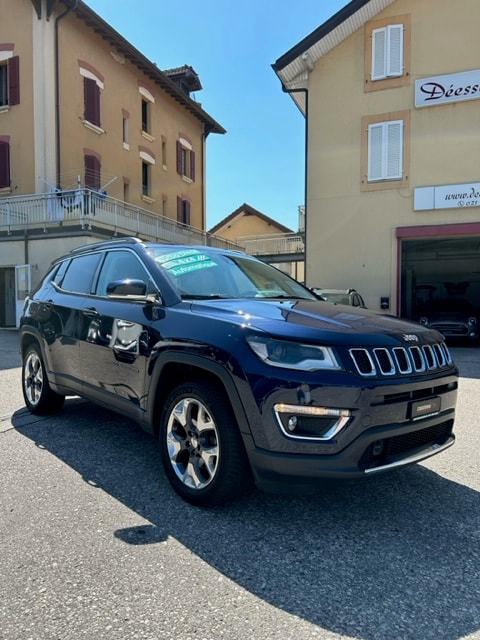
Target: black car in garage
455,318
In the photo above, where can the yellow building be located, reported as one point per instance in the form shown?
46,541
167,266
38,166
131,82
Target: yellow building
264,237
83,112
391,93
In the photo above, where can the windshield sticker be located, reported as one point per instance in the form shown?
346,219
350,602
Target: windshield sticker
179,262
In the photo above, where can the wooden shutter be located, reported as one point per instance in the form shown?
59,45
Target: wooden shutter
394,159
92,101
379,53
186,216
192,165
4,164
387,51
92,172
14,81
179,158
375,152
395,50
385,150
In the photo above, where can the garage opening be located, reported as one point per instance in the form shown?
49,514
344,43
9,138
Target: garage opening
439,273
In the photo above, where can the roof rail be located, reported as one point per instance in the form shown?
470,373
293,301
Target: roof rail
103,243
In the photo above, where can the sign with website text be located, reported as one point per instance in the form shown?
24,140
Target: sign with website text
454,87
447,196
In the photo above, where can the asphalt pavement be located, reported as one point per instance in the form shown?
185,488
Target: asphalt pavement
95,545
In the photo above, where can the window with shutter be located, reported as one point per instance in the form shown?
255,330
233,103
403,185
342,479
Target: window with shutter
4,164
92,172
92,101
385,152
387,53
185,161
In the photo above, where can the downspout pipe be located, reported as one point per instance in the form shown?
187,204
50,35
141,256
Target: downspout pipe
305,91
57,92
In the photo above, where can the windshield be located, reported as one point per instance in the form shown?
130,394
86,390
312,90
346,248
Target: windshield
197,272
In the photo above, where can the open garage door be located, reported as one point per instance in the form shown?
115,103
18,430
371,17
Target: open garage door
445,268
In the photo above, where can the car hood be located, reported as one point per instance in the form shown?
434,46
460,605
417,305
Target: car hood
316,320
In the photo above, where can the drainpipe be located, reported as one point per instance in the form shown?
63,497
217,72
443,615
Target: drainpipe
203,159
57,90
305,91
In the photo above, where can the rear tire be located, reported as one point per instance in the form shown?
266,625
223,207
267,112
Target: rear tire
201,447
37,393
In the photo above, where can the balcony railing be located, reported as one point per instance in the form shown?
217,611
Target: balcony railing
68,210
274,244
64,210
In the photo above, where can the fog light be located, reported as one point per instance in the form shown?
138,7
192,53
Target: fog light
292,423
316,423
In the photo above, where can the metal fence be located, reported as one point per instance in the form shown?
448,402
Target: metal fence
86,209
275,244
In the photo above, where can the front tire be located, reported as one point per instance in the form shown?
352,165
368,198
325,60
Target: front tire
37,393
201,447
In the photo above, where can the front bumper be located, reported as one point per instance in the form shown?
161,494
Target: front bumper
376,450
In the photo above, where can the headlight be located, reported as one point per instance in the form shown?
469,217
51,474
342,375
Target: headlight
472,320
293,355
423,320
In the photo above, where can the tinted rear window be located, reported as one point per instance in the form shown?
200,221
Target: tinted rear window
80,273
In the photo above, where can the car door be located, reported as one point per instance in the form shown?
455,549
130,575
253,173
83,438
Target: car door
61,319
116,336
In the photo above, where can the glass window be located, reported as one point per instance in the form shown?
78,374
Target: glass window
80,273
121,265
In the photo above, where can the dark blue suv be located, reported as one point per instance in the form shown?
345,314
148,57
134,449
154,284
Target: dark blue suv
243,374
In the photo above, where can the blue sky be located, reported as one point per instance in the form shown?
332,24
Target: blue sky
232,45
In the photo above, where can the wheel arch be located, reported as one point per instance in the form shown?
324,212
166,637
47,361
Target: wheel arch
172,369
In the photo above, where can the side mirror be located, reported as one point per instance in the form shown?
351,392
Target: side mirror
127,287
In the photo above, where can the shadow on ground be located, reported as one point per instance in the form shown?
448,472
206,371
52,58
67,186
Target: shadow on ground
399,552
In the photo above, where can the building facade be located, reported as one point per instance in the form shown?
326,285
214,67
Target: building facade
266,238
84,115
391,94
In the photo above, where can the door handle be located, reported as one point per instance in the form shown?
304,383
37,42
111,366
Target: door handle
91,312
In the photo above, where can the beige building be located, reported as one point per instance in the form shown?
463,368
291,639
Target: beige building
391,92
266,238
94,140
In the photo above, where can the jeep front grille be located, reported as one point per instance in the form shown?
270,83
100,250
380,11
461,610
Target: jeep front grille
386,361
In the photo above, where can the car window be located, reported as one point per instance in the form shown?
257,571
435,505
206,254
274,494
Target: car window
199,273
59,271
80,273
121,265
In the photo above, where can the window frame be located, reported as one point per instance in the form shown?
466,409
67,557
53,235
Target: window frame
388,26
385,122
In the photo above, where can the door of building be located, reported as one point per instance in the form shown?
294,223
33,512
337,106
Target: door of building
22,288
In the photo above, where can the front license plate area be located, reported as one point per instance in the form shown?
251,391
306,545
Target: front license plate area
423,408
